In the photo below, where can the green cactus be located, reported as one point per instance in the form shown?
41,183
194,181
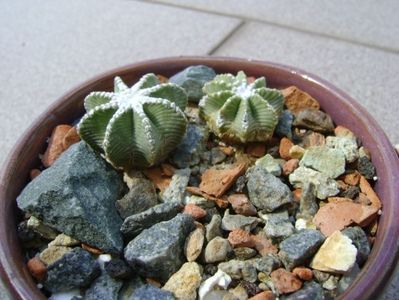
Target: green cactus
238,111
135,127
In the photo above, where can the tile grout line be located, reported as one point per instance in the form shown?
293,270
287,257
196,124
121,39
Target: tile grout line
269,23
227,37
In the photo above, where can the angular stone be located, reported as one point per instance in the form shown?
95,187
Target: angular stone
150,292
265,295
266,191
310,290
336,255
157,252
176,191
331,283
74,270
296,151
297,100
157,177
199,201
239,269
366,188
185,282
313,139
192,79
290,166
365,167
315,120
347,279
263,244
231,222
43,230
220,279
348,146
135,224
213,229
285,282
308,206
241,238
325,186
55,145
129,287
300,247
267,263
270,164
117,268
104,287
278,225
328,161
53,253
284,125
64,240
70,138
303,273
244,253
77,197
141,196
284,148
195,211
359,239
217,250
194,244
217,156
241,205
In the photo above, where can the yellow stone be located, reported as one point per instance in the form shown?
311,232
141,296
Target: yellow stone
53,253
296,152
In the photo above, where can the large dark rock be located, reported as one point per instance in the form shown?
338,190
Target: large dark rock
360,240
157,252
77,196
104,287
150,292
135,224
74,270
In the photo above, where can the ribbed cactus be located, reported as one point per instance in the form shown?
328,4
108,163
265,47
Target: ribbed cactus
135,127
238,111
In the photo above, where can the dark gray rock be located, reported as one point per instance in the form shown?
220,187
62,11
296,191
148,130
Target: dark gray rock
192,79
347,279
150,292
213,229
231,222
266,191
278,225
359,239
77,196
267,263
176,191
117,268
365,167
129,287
315,120
240,183
74,270
308,206
140,197
188,152
351,192
239,269
310,290
284,125
157,252
299,247
135,224
104,287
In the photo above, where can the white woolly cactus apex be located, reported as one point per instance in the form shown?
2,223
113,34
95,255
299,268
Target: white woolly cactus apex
135,127
238,111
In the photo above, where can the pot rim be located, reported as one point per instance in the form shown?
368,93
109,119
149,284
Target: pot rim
385,250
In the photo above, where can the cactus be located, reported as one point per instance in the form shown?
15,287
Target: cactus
135,127
238,111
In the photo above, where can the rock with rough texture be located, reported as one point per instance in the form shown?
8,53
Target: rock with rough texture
315,120
285,282
348,146
290,166
308,206
104,287
278,225
325,186
359,239
184,283
74,270
217,155
77,196
176,191
195,211
239,269
270,164
241,205
266,191
40,228
220,279
297,100
64,240
192,79
53,253
303,273
150,292
231,222
336,255
37,268
55,145
310,290
157,252
213,229
365,167
267,263
326,160
194,244
263,244
244,253
141,196
347,279
129,287
133,225
117,268
241,238
188,152
199,201
284,148
298,248
217,250
284,125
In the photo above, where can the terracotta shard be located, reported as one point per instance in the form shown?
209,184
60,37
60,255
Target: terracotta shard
55,145
241,238
167,170
222,203
366,188
156,175
284,148
70,138
297,100
352,178
37,268
256,149
195,211
91,249
303,273
263,245
285,282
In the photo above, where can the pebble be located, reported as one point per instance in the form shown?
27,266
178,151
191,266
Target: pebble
266,264
352,178
43,230
313,139
117,268
195,211
266,191
238,293
53,253
297,100
129,286
341,131
176,191
266,295
184,283
348,146
337,254
217,156
299,247
270,164
310,290
241,238
359,239
244,253
231,222
157,177
104,287
241,205
365,167
251,288
194,244
70,138
220,279
284,148
55,145
217,250
37,268
331,283
290,166
307,205
278,225
303,273
213,229
150,292
263,245
285,282
301,223
64,240
296,151
347,279
315,120
239,269
256,149
284,125
199,201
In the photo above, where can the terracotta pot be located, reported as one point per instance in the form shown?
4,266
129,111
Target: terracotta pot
344,111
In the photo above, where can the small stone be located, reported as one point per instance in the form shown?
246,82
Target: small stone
231,222
217,156
192,80
359,239
310,290
299,247
168,170
220,202
157,252
158,178
284,125
129,286
278,225
199,201
284,148
352,192
238,293
337,215
141,196
297,100
337,254
315,120
117,268
91,249
325,186
347,279
331,283
267,191
241,205
75,269
244,253
135,224
290,166
251,288
194,244
104,287
304,224
184,283
55,145
240,238
64,240
296,151
348,146
153,282
213,229
195,211
217,250
266,264
313,139
303,273
37,268
239,269
256,149
150,292
263,244
220,279
270,164
34,173
320,276
51,254
366,188
228,150
341,131
352,178
363,152
328,161
216,182
285,282
365,167
70,138
176,191
308,206
43,230
266,295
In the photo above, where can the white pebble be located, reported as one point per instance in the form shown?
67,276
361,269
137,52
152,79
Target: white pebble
65,295
220,279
